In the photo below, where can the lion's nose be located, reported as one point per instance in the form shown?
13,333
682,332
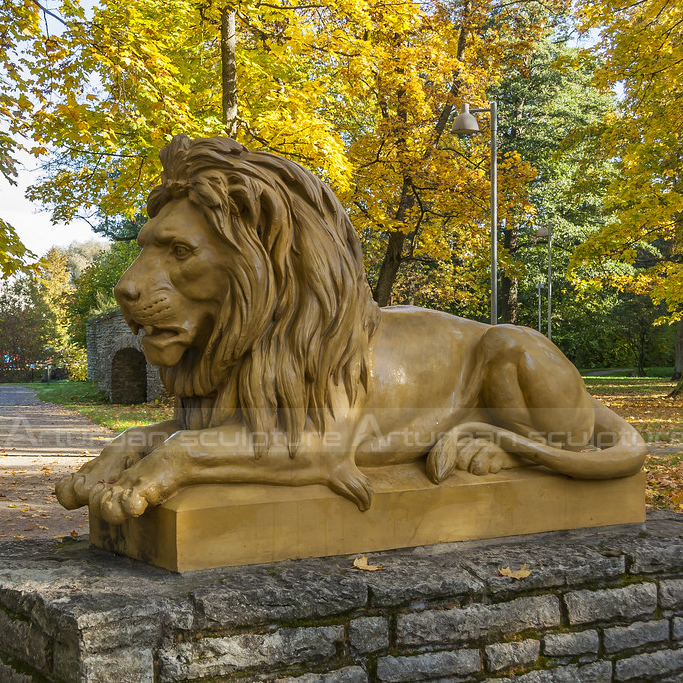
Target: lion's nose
126,290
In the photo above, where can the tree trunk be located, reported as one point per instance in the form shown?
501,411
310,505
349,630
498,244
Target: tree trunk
642,345
510,286
394,253
676,390
678,362
228,70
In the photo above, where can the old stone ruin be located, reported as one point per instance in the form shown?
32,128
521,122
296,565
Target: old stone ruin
117,364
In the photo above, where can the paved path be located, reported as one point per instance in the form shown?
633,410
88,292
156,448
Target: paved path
40,443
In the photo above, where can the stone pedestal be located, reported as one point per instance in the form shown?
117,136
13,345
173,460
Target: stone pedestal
599,605
223,525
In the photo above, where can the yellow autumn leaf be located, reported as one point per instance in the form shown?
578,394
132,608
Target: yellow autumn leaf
519,574
362,563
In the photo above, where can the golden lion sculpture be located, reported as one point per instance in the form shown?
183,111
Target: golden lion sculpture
251,293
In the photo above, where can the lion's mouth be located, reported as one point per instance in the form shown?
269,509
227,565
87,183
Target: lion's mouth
159,333
152,331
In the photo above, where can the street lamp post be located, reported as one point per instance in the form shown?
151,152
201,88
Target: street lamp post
539,287
466,124
544,231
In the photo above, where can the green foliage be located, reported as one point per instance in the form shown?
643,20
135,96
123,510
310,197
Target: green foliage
13,253
75,361
359,92
542,103
27,327
120,228
79,255
94,288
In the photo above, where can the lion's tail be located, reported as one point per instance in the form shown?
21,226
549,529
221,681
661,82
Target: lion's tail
622,450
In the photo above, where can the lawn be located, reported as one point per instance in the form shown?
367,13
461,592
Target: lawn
87,399
643,402
640,400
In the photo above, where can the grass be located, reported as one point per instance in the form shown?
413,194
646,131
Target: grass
87,399
643,402
657,371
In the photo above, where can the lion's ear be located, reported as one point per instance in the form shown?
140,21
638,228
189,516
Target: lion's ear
275,227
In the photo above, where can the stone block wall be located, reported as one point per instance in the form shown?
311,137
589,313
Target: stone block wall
599,605
106,337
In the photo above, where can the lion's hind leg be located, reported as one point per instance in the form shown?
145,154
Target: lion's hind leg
463,449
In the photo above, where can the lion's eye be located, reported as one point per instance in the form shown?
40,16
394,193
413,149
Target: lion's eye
181,251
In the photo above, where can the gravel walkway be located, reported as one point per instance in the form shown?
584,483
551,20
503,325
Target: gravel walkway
40,443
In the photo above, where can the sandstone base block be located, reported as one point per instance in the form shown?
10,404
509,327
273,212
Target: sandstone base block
225,525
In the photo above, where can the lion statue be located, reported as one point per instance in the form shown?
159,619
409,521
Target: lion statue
253,300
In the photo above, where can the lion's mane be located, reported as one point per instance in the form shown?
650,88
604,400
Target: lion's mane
298,313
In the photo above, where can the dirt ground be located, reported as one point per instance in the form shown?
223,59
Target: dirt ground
40,443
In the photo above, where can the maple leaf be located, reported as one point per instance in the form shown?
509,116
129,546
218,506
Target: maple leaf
519,574
362,563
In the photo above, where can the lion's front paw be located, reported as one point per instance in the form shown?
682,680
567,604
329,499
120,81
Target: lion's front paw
73,490
117,502
67,491
348,481
137,489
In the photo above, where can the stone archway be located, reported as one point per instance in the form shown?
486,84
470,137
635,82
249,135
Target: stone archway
128,376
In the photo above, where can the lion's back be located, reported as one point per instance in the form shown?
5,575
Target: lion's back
427,353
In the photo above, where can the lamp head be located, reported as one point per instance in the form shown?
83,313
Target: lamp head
465,123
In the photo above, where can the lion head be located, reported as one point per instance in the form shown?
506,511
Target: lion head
250,288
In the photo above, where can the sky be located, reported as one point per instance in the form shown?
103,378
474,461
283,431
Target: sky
33,226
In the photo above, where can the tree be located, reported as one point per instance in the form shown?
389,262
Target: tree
56,289
635,316
94,288
543,101
642,47
418,190
156,66
13,253
26,328
359,92
19,24
79,255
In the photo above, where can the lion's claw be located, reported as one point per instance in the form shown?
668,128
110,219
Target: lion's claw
66,492
133,503
106,501
348,481
442,459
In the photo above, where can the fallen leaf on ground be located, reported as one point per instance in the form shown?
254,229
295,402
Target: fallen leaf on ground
519,574
362,563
